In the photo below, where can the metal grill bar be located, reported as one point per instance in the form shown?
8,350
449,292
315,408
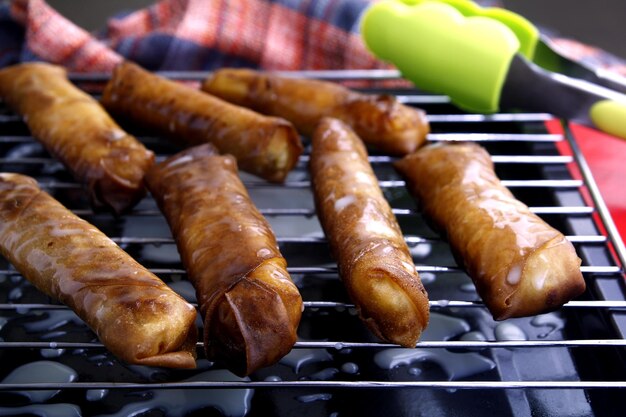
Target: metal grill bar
411,240
607,305
338,345
470,304
333,75
383,184
333,270
497,159
493,137
304,159
487,118
420,100
400,184
309,212
498,385
432,137
432,118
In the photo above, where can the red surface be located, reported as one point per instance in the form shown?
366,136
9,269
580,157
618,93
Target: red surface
606,157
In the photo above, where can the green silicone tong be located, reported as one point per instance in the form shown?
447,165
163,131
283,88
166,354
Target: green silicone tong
482,59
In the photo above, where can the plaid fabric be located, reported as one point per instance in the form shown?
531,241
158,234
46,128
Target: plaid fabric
50,37
195,35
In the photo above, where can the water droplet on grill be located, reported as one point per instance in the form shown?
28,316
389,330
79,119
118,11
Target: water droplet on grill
40,372
509,331
552,321
96,394
350,368
314,397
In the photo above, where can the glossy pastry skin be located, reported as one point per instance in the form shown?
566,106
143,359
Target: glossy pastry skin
135,315
379,120
520,265
266,146
250,306
75,129
374,261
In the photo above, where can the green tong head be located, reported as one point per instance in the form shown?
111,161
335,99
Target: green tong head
481,59
440,50
527,34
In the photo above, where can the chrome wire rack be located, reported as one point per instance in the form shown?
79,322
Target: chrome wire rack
569,362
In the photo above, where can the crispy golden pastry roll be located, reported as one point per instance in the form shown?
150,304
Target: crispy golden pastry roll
520,265
379,120
135,315
250,306
374,261
265,146
76,130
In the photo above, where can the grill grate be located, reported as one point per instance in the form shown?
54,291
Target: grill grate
336,358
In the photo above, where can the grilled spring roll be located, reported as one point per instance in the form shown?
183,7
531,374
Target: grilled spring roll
265,146
520,265
135,315
374,261
379,120
76,130
250,306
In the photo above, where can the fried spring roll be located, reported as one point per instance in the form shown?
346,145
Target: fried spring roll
76,130
265,146
135,315
250,306
520,265
374,261
379,120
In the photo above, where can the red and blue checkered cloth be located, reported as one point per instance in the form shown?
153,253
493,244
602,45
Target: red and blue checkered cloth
194,35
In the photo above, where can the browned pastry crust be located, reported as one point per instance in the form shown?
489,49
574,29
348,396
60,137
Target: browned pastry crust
375,264
75,129
250,306
520,265
379,120
265,146
135,315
